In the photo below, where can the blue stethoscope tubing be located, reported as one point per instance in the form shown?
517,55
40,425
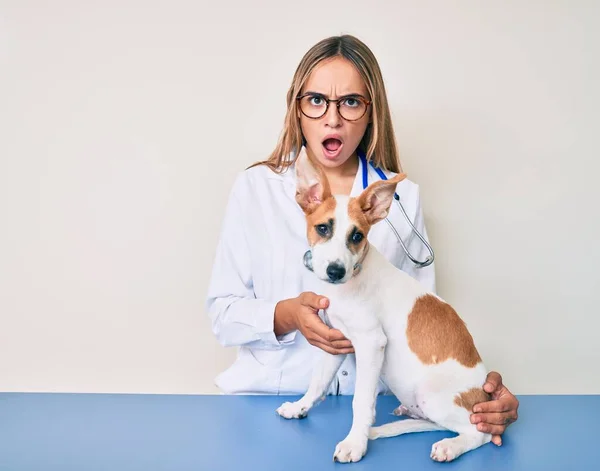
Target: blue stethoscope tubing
365,178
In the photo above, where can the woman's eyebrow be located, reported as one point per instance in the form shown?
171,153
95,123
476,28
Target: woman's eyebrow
346,95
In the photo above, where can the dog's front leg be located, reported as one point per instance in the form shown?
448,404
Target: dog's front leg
323,374
370,351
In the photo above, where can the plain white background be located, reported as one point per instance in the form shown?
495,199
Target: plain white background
123,124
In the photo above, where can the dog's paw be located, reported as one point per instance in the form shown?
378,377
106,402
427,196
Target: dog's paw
292,410
444,450
350,450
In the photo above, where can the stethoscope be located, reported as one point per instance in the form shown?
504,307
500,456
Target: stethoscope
365,181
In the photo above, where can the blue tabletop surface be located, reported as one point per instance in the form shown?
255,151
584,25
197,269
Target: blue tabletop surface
177,432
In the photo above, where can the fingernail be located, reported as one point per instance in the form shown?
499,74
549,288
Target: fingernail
477,409
481,427
475,419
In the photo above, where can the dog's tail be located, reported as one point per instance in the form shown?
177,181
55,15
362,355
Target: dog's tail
403,426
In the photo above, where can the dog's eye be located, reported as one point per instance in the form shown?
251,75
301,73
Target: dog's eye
323,229
357,237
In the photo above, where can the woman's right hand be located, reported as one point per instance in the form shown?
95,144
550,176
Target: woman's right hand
302,313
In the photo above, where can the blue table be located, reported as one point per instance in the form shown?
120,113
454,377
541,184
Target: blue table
89,432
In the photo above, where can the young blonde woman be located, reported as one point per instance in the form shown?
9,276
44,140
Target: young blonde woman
260,297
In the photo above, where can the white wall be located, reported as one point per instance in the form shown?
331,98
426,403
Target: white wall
122,125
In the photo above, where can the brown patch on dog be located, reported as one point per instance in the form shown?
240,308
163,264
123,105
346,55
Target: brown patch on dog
321,215
436,333
469,398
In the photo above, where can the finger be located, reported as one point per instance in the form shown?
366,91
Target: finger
493,382
332,350
341,344
498,405
313,300
335,334
319,328
497,440
328,335
494,418
493,429
325,347
315,338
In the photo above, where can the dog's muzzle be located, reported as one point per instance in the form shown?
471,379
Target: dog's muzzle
308,260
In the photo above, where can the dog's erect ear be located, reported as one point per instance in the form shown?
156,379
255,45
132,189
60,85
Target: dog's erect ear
376,199
312,187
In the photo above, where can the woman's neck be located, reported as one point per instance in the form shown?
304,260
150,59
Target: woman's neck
341,179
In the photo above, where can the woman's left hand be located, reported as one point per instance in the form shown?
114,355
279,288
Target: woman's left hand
495,415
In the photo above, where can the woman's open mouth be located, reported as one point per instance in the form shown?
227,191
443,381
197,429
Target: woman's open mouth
332,147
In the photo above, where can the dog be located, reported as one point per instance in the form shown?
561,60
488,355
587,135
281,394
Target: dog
411,338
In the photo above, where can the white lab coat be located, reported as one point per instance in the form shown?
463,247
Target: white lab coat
259,262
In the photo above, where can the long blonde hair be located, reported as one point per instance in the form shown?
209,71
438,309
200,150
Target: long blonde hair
378,142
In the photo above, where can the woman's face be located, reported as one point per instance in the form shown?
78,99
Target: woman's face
331,139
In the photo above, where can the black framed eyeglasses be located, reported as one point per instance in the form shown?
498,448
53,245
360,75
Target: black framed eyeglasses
350,107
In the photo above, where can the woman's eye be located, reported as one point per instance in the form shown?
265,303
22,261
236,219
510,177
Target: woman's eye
351,102
316,101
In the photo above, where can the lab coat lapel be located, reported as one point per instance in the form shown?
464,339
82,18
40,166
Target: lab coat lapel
289,184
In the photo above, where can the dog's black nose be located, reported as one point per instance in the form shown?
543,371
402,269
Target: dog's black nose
335,271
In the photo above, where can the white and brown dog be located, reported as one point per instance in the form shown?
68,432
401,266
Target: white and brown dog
409,337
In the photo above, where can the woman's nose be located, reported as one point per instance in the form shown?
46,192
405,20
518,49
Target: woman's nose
333,117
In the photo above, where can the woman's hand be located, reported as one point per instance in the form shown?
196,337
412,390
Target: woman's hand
495,415
302,313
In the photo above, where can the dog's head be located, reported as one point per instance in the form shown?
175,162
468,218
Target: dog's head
338,226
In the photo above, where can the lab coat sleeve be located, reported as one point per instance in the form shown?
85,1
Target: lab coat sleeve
237,316
425,275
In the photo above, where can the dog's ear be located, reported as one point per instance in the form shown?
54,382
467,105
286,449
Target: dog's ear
312,186
376,199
